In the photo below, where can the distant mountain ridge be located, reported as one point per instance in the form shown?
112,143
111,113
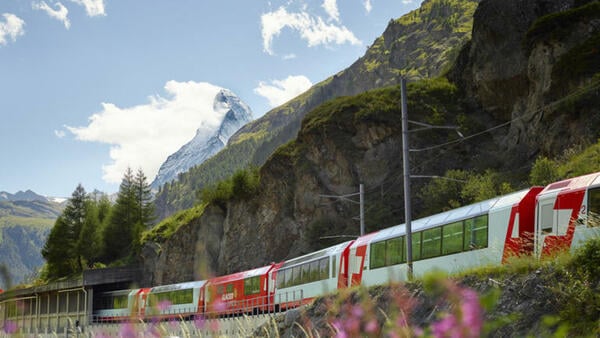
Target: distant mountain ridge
27,195
25,222
235,114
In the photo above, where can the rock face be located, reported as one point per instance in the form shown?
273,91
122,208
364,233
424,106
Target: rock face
515,73
235,114
421,44
513,70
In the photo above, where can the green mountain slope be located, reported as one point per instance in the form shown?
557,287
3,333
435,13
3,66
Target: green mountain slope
24,227
423,42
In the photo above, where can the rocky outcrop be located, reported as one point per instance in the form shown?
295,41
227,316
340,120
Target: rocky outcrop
514,80
510,73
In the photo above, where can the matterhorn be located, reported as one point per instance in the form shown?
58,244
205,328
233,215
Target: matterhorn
205,144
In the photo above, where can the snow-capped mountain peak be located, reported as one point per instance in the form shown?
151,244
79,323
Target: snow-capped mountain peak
207,141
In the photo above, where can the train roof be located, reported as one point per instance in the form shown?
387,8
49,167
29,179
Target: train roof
178,286
575,183
454,215
330,251
242,275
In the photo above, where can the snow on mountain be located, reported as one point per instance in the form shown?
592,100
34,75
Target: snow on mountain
206,143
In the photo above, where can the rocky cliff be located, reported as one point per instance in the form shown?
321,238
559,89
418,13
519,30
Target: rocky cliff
421,44
512,91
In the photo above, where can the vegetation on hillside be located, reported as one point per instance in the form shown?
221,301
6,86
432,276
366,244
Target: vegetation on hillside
93,232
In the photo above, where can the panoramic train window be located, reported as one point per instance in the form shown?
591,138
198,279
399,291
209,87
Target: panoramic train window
416,246
394,251
173,297
432,242
476,233
252,285
594,208
377,257
333,268
452,241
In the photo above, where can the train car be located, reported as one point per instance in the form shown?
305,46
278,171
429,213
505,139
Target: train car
487,232
121,305
181,301
301,279
241,292
567,214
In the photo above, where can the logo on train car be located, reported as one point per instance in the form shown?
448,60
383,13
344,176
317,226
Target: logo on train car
227,296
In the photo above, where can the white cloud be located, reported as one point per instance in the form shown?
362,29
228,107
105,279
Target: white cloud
289,56
92,7
59,133
11,27
312,29
144,136
331,8
281,91
60,13
368,6
407,1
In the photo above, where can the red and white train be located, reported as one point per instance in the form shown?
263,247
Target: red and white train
537,221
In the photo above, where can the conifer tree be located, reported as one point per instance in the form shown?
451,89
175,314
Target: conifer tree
117,235
61,250
145,208
58,250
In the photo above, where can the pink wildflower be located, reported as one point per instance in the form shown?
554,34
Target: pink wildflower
163,305
127,331
10,327
372,326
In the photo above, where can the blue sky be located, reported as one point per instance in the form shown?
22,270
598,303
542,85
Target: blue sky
90,87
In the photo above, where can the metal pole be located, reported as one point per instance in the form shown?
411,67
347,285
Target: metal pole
362,209
406,165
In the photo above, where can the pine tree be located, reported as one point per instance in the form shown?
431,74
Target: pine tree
61,247
118,232
145,208
58,250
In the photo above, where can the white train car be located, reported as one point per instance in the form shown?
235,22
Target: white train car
483,233
181,300
301,279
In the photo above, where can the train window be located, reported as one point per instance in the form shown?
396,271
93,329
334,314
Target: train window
594,208
452,241
306,273
393,251
432,241
297,275
288,277
280,279
476,233
324,268
377,257
220,290
416,246
333,267
229,288
315,271
252,285
119,302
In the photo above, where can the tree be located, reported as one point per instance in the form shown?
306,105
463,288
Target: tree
58,250
132,213
117,234
543,172
145,208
